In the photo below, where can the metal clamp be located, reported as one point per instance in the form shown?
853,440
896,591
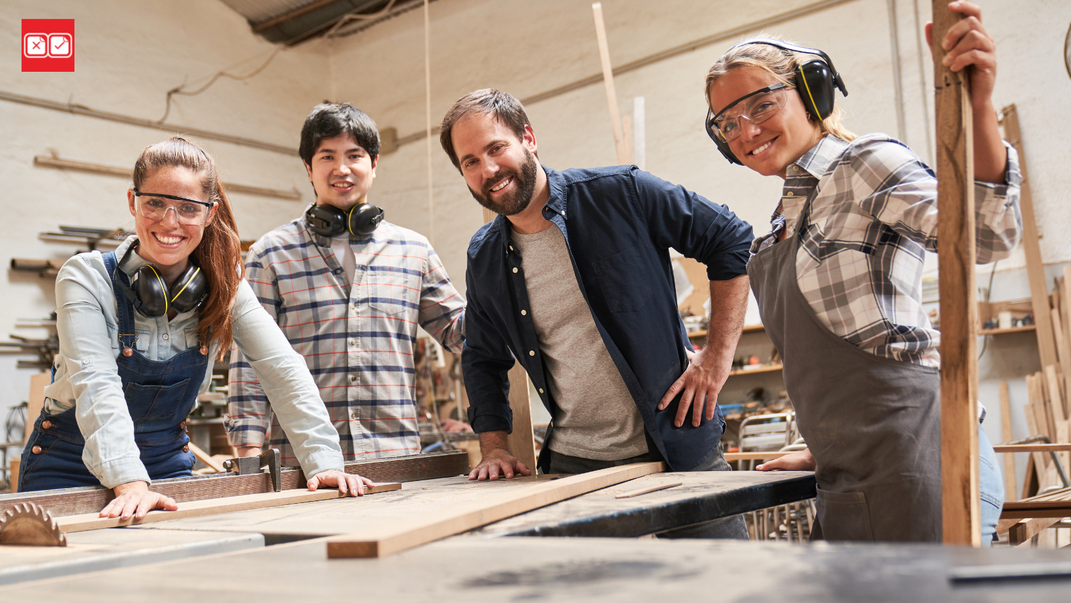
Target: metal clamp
268,459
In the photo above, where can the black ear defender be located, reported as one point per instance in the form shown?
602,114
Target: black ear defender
150,295
328,220
815,82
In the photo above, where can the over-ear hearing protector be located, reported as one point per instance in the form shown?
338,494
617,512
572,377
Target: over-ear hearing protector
328,220
815,81
151,296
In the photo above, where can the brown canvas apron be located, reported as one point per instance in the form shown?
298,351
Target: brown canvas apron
873,424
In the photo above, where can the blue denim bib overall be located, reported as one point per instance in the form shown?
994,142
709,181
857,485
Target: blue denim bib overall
159,396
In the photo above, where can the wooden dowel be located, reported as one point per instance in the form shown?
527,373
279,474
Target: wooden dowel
608,79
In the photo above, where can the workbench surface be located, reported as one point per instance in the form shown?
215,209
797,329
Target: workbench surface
564,570
701,496
108,549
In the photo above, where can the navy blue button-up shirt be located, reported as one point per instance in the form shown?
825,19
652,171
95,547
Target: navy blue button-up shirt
619,224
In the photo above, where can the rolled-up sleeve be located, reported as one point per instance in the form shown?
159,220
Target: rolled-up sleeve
694,226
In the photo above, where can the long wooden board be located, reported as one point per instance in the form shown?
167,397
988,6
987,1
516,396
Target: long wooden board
73,501
92,521
1006,433
1035,268
410,532
955,232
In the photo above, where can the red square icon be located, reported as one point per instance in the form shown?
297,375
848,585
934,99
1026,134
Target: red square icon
48,45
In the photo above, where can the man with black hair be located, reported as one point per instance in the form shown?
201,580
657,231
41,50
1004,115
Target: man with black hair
349,291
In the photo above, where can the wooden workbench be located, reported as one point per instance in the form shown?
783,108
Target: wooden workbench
702,496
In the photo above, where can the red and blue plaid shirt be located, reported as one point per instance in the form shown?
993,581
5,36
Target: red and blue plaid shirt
357,338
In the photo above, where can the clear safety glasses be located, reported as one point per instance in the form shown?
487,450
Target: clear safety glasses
756,107
155,206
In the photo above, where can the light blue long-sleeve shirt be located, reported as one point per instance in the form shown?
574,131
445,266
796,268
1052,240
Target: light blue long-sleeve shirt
87,376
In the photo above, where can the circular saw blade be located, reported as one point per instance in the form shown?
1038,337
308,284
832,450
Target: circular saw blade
29,523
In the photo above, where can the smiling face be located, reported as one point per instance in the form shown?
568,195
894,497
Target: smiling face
770,147
500,169
166,243
341,172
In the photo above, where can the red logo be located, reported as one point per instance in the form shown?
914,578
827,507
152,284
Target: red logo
48,44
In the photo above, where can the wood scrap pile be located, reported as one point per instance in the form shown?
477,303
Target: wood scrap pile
1048,414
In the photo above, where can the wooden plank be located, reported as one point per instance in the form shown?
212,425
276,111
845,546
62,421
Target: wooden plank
623,152
732,457
36,401
1006,433
1064,285
206,458
1058,447
648,490
1024,529
92,521
1039,291
414,531
521,440
959,320
73,501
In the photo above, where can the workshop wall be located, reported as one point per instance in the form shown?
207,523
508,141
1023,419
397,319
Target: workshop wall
128,54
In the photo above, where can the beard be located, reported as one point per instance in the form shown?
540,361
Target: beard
517,202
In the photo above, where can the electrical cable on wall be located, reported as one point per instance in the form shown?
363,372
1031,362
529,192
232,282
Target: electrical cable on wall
427,102
221,74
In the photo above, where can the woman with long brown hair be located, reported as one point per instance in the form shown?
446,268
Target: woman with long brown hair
139,330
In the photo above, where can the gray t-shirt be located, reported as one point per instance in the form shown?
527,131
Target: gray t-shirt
598,419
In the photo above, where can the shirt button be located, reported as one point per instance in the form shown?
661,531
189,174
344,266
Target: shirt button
353,378
514,271
165,336
524,312
353,416
46,424
353,341
531,352
541,390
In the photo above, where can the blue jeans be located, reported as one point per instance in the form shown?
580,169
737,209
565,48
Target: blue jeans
990,486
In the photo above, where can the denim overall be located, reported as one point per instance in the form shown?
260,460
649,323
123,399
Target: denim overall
159,396
873,424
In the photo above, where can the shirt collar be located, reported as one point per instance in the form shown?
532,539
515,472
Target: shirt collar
821,157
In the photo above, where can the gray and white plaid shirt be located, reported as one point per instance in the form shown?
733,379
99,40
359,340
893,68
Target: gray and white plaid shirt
357,338
873,216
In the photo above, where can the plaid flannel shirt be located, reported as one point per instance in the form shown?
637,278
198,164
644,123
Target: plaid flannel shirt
862,251
357,338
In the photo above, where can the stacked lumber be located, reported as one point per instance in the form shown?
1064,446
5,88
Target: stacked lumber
1048,413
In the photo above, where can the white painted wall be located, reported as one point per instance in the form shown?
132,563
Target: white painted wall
130,54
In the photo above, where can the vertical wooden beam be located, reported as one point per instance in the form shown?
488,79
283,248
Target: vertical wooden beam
521,440
1035,269
1006,434
623,155
955,235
